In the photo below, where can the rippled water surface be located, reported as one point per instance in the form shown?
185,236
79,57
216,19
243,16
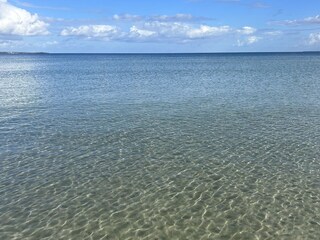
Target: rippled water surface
222,146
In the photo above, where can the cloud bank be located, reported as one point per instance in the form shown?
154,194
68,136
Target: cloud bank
92,31
156,31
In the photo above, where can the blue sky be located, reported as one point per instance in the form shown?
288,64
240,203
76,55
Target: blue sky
159,26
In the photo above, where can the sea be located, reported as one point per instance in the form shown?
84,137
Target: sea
160,146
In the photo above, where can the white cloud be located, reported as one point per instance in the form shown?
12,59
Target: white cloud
92,31
167,29
246,30
208,31
248,41
314,20
141,33
178,30
17,21
314,38
297,22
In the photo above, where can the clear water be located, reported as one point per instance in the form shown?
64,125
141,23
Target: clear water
223,146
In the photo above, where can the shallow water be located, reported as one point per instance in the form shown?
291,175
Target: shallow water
207,146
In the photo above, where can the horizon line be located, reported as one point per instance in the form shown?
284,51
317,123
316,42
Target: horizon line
119,53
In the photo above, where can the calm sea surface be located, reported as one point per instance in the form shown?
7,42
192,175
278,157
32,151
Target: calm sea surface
207,146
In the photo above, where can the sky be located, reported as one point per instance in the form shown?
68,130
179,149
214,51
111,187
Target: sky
159,26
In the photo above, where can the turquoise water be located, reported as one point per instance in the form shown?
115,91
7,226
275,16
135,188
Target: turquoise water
189,146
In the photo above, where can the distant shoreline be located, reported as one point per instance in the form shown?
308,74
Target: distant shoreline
155,53
21,53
